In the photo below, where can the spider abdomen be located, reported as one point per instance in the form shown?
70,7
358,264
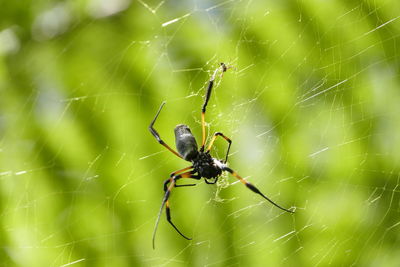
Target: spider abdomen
185,142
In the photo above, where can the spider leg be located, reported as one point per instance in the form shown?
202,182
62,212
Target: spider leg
182,185
157,136
223,68
179,171
169,184
213,182
226,138
254,189
175,173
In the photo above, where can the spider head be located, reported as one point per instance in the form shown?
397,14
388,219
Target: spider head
185,142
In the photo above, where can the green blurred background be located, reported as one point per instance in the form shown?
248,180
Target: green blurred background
312,106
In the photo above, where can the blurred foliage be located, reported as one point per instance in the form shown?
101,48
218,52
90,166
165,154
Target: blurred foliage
312,106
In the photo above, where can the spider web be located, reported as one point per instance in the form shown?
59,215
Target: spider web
311,104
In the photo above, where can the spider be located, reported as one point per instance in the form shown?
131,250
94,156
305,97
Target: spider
203,164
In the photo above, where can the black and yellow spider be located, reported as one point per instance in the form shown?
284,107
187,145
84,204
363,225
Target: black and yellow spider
203,164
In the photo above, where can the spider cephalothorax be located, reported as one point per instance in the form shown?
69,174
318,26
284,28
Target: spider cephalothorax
203,164
206,166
